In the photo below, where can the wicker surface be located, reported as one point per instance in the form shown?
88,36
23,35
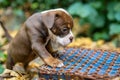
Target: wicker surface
84,63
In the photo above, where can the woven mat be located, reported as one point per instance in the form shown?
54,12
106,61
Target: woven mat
83,63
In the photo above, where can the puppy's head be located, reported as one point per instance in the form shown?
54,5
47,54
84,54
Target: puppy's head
60,23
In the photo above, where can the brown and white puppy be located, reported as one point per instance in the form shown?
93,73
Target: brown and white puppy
41,35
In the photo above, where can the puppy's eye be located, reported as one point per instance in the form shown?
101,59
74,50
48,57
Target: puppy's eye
64,29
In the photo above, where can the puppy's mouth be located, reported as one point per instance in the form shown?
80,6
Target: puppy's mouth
64,41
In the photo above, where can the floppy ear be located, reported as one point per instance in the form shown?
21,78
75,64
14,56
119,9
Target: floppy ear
48,19
34,20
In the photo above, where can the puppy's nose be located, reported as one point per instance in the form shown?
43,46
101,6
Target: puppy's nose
71,39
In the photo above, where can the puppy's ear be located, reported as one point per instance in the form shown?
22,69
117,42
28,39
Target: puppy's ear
34,20
48,19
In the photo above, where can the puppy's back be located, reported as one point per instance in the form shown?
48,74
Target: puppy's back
19,48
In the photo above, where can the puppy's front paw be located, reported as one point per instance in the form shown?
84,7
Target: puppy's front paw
59,63
57,54
53,62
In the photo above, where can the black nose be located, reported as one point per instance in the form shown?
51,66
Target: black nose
71,39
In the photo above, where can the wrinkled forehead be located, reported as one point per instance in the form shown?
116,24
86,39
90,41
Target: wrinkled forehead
63,14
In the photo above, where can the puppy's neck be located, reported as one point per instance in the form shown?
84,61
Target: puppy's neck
54,43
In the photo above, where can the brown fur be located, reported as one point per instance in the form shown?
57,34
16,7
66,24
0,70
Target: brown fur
33,39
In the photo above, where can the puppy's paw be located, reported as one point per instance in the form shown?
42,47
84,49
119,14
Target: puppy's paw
60,52
59,63
53,62
57,54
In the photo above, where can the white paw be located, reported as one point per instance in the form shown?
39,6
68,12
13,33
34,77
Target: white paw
60,65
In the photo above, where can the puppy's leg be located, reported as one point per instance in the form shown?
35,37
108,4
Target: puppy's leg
9,62
50,49
46,57
54,62
59,53
31,56
38,46
54,52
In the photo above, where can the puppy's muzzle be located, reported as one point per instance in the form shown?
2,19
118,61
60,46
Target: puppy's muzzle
71,38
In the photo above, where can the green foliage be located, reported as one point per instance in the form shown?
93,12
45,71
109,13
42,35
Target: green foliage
113,11
2,56
18,12
114,28
100,35
2,59
82,10
102,15
1,69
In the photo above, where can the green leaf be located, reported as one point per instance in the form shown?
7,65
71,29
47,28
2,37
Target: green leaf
75,8
91,19
19,2
82,21
97,21
85,11
96,4
18,12
111,15
100,35
117,16
81,10
34,5
2,56
114,29
1,69
111,5
117,7
2,1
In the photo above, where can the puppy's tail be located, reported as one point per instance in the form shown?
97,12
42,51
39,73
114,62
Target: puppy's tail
8,36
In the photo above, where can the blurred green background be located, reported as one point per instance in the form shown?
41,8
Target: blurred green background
97,19
103,16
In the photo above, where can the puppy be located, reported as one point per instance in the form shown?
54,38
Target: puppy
41,35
